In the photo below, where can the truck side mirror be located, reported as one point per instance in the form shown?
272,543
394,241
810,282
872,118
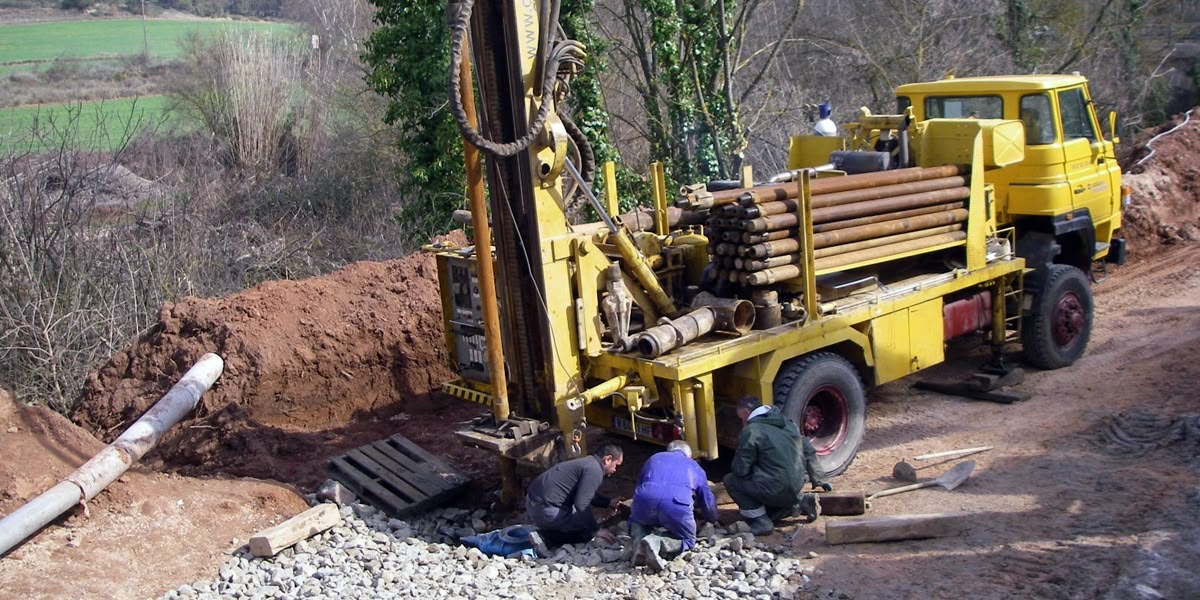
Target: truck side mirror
1112,127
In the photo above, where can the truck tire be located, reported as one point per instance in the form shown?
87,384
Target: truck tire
823,394
1056,329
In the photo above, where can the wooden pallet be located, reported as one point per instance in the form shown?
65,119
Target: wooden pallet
397,476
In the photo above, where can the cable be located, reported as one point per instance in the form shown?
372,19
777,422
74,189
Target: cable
1186,117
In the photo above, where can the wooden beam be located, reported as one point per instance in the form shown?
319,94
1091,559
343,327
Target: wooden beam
843,504
273,540
896,527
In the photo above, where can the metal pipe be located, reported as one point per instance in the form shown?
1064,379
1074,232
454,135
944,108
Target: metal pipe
888,191
749,237
769,208
116,458
781,221
777,191
774,275
591,197
768,263
883,241
603,389
903,214
886,205
673,333
916,245
732,314
483,252
887,228
773,248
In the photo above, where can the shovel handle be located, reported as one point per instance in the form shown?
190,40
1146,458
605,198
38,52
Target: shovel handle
963,452
903,488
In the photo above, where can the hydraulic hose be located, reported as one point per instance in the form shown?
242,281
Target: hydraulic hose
564,51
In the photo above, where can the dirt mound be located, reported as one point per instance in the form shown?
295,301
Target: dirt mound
1165,189
35,435
311,367
178,527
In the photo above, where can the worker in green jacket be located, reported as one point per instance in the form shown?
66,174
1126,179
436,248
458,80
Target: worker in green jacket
772,463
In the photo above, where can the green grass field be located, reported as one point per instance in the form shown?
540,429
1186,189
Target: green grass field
33,44
97,126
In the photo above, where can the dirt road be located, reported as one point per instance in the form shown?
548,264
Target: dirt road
1069,504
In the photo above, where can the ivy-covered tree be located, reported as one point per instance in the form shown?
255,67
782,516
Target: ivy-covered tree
587,104
409,62
408,58
694,64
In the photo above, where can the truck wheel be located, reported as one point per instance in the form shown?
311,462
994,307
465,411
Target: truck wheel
822,393
1056,329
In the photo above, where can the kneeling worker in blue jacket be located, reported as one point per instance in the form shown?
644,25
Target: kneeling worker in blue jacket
666,496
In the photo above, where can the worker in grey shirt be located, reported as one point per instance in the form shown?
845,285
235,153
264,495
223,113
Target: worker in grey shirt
559,500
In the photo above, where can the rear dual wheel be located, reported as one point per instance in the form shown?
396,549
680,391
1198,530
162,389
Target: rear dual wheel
823,394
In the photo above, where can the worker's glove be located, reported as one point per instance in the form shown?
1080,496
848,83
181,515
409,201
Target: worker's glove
823,485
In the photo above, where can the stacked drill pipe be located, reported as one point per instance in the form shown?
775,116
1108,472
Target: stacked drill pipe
856,218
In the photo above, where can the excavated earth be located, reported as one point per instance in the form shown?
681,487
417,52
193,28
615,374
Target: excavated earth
1092,489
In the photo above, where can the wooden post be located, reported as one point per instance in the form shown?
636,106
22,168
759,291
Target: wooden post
897,527
273,540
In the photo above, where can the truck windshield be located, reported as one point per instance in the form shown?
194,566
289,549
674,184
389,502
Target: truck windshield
964,107
1076,118
1039,121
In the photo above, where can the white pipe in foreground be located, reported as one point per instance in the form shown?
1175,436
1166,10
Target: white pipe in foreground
114,459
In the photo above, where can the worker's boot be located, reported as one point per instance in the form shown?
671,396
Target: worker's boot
633,551
655,550
761,525
539,545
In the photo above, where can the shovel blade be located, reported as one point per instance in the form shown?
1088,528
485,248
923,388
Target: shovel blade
956,475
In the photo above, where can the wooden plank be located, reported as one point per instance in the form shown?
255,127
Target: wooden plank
720,494
433,466
273,540
896,527
842,504
397,476
361,485
418,453
402,478
437,477
420,477
385,476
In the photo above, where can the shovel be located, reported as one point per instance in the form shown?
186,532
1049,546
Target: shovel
904,471
949,480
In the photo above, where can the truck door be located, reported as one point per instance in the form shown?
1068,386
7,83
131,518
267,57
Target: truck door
1084,155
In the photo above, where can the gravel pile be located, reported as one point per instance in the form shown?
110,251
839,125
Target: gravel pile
373,556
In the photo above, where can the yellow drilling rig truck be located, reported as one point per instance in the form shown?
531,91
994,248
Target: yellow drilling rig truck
980,208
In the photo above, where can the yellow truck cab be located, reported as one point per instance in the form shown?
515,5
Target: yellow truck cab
1065,198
